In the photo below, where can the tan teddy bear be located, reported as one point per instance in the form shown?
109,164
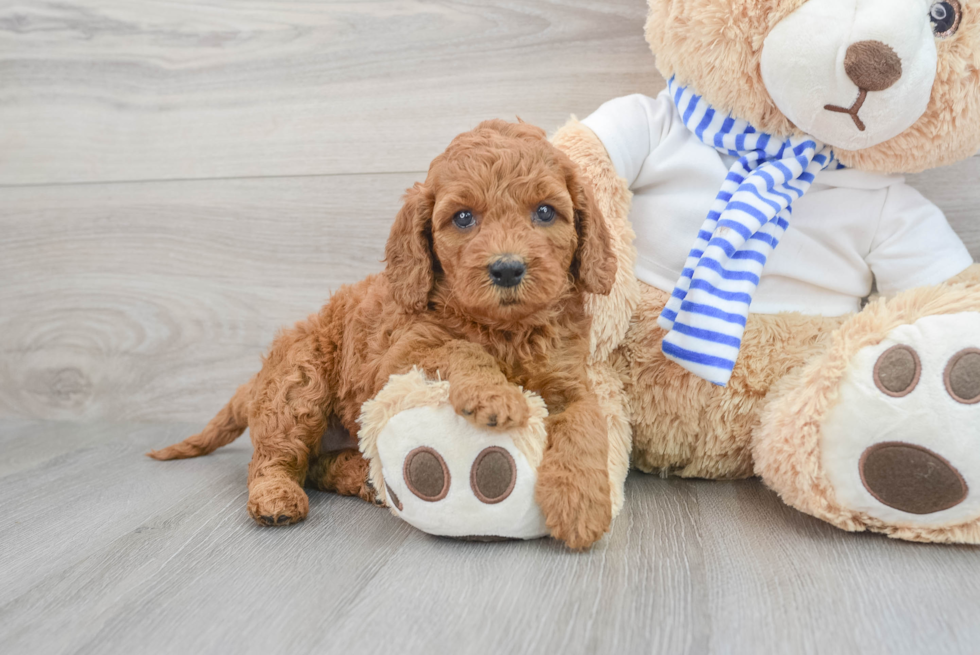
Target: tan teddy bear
867,419
752,205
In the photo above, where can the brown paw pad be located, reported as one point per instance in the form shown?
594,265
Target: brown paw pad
493,475
393,498
911,478
271,521
426,474
897,371
962,376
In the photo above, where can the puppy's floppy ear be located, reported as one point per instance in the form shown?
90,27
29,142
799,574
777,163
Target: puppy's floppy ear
408,253
595,263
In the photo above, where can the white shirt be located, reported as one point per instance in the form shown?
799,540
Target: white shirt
850,228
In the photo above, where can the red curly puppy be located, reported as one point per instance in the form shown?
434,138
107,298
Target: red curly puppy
487,266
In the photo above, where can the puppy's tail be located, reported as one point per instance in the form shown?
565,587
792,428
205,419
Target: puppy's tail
224,428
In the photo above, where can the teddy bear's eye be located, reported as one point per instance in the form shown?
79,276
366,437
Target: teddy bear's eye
945,18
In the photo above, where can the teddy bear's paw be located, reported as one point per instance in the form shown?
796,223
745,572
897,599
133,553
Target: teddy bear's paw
902,445
277,502
449,477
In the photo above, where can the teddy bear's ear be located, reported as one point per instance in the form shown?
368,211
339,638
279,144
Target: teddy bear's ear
595,263
408,253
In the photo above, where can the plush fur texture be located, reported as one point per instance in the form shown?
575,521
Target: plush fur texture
688,427
413,412
681,424
786,447
611,312
970,277
715,46
436,307
768,420
764,422
413,389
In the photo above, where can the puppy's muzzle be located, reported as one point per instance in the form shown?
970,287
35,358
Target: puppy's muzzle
507,271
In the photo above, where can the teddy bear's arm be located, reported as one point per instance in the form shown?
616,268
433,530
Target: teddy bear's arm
610,314
914,245
631,128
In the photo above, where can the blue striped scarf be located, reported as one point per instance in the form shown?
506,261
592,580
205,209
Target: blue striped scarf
706,314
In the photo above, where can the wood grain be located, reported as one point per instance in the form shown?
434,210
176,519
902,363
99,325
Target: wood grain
105,551
99,90
153,301
178,181
956,189
765,561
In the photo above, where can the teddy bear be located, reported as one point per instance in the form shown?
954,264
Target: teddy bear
753,205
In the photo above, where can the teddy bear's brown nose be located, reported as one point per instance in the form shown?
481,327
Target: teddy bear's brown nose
873,65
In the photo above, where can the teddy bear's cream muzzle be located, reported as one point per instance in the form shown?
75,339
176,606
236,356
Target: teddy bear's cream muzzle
853,73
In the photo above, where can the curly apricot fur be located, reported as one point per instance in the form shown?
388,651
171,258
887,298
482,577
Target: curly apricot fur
435,307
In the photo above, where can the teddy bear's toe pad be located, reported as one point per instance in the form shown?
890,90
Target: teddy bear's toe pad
426,474
903,443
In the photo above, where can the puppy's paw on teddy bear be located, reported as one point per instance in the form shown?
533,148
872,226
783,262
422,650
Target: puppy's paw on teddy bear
450,476
575,502
499,406
274,502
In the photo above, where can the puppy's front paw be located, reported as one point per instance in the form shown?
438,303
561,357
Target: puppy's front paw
575,501
500,406
277,501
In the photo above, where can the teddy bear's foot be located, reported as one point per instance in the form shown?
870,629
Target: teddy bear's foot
446,475
893,444
903,444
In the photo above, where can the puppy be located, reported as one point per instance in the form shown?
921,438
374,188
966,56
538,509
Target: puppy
486,270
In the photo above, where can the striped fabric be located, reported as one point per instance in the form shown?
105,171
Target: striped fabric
706,314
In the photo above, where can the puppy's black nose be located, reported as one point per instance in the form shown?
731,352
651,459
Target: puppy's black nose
507,272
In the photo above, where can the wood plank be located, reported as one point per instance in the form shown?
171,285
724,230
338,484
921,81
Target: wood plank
161,545
105,551
27,446
956,190
797,585
638,591
153,301
99,90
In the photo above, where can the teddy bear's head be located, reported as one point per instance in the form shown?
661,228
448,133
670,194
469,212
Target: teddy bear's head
891,85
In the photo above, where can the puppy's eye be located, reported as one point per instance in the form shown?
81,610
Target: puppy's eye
945,17
544,214
464,219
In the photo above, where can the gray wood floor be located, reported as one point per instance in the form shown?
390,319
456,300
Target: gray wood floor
105,551
177,181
